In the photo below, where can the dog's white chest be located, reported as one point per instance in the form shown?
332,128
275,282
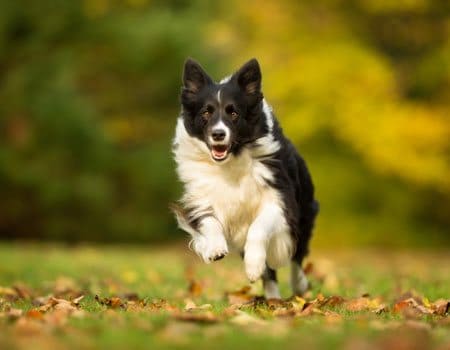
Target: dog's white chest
235,191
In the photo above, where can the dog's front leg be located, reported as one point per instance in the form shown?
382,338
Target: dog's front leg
258,237
210,243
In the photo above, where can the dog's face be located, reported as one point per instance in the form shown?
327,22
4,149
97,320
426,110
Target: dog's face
225,116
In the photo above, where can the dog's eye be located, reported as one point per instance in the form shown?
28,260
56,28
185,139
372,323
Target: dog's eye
207,113
232,112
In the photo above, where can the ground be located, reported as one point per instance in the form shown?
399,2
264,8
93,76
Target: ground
165,297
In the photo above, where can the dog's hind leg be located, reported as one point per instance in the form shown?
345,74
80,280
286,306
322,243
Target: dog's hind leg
270,284
299,282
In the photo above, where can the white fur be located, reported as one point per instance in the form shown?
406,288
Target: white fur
226,79
268,113
299,281
226,140
210,243
266,145
271,290
219,97
270,222
249,211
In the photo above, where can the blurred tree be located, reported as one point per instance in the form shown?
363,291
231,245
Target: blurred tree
89,101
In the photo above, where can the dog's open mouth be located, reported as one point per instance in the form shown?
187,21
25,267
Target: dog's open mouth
219,152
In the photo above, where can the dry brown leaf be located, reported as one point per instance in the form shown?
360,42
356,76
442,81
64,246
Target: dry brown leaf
13,314
161,305
195,288
401,305
116,302
197,317
113,302
298,303
332,317
189,304
274,304
244,319
309,310
77,300
441,307
8,293
333,301
36,314
361,304
380,309
241,296
23,291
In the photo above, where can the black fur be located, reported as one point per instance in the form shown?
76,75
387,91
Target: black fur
242,95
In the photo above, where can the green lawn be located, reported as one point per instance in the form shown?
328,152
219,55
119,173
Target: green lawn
143,293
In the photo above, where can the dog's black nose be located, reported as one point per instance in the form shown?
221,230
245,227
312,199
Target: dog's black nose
218,134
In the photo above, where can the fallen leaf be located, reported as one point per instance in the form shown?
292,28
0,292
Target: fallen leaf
8,293
36,314
189,304
22,291
441,307
274,304
332,317
13,313
399,306
76,301
361,304
195,288
240,296
298,303
113,302
161,305
244,319
198,317
380,309
333,301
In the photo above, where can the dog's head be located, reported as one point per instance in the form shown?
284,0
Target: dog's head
227,115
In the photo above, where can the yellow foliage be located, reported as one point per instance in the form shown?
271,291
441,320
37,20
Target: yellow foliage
318,75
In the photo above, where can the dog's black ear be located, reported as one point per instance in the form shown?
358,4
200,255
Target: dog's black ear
249,77
194,77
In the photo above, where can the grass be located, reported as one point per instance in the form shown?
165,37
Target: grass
154,272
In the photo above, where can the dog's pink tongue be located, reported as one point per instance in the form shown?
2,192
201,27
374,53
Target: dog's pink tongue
219,151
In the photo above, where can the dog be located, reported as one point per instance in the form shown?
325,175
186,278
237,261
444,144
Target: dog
245,186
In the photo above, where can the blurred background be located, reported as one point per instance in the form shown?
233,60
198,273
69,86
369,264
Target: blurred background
89,99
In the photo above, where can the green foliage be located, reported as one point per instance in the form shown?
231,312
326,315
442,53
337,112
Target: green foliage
89,93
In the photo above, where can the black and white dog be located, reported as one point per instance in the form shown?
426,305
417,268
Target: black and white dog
246,187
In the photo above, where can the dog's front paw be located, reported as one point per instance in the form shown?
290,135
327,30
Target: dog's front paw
255,263
211,248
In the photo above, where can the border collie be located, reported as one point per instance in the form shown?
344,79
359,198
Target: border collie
245,186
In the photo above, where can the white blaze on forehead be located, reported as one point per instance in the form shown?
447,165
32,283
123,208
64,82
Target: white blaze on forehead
225,80
220,126
218,97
